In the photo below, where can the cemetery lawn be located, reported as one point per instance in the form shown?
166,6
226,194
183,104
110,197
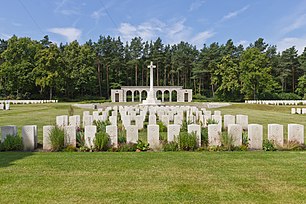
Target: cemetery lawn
148,177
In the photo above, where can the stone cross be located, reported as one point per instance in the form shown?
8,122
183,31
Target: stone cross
151,67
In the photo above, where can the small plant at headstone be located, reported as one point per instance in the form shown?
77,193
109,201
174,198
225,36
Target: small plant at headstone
142,146
101,141
70,148
12,143
187,141
57,136
292,146
171,146
162,127
127,147
80,138
268,145
211,121
101,125
204,136
245,138
227,141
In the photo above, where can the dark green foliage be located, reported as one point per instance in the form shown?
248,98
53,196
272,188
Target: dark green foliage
227,141
80,138
142,146
127,147
187,141
101,141
245,138
211,121
268,145
12,143
170,146
57,136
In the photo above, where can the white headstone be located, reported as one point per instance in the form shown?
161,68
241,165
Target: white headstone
255,134
1,106
178,120
235,131
7,106
70,136
293,111
153,136
298,111
62,121
87,120
112,131
197,130
296,133
139,121
173,132
75,120
217,112
113,120
228,119
218,119
46,137
90,134
152,119
131,134
214,135
29,137
165,119
276,134
242,120
8,130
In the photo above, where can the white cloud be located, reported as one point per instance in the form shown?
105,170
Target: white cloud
202,37
196,5
5,36
244,43
68,7
171,32
298,22
70,34
285,43
234,13
98,14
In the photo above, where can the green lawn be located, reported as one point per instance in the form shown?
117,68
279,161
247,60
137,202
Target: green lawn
165,177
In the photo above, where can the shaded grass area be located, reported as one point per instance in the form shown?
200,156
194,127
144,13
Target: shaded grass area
172,177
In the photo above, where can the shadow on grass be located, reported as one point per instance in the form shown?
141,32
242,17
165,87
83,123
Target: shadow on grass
9,158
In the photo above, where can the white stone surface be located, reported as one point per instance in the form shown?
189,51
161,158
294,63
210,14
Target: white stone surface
218,119
46,137
276,134
29,137
214,135
228,119
255,134
62,121
75,120
242,120
293,111
131,134
153,136
235,131
165,119
216,112
90,135
197,130
87,120
112,131
173,132
296,133
139,121
152,119
70,136
8,130
113,120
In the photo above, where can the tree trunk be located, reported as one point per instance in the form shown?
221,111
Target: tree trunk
136,76
107,82
50,93
99,80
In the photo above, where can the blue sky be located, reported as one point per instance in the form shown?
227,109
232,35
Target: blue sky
279,22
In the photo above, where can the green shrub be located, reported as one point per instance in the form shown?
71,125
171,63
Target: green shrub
268,145
142,146
162,127
170,146
245,138
187,141
12,143
227,141
70,148
163,136
204,136
292,146
211,121
71,110
57,136
101,141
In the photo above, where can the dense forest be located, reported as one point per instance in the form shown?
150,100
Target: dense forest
42,69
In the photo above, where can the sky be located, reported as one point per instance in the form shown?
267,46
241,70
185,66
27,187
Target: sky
278,22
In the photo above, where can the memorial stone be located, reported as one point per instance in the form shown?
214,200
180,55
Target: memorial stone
235,131
153,136
276,134
255,134
296,133
173,132
112,131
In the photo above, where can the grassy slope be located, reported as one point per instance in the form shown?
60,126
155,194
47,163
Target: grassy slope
227,177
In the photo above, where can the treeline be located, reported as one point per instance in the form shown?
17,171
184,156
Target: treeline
45,70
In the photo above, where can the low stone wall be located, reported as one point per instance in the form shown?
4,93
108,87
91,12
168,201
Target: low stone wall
277,102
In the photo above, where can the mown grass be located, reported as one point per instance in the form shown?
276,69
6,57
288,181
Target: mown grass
165,177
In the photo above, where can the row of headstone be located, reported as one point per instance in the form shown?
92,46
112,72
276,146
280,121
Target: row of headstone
28,101
4,106
298,110
255,134
29,135
277,102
